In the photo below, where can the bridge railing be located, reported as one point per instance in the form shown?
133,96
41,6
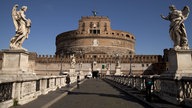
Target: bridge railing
23,91
165,88
6,91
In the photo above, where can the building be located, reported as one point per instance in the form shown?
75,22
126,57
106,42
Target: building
95,36
100,44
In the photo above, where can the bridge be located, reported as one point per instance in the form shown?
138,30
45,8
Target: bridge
106,92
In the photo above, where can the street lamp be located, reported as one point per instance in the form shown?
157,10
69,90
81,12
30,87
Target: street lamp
61,55
110,64
130,71
80,63
93,66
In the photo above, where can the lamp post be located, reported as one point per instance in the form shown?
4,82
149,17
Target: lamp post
80,63
141,61
94,65
130,71
61,62
110,65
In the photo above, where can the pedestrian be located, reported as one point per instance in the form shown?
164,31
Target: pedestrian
78,81
148,83
68,80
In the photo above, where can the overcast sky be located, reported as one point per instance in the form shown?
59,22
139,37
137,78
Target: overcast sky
52,17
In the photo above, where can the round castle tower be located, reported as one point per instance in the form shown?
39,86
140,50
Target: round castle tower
95,36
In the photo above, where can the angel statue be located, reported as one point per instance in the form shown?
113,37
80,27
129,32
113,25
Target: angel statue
22,27
117,57
177,28
73,61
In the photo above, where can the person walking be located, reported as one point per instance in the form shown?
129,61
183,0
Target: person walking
78,81
68,80
148,83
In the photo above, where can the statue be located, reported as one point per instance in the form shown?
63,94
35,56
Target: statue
73,61
22,27
117,57
94,13
177,28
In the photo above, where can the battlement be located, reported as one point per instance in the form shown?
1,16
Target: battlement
89,58
100,58
94,17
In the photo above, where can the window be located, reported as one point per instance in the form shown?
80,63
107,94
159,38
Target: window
91,24
98,25
83,27
105,27
127,36
94,31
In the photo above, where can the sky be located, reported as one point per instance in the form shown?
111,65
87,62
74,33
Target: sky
52,17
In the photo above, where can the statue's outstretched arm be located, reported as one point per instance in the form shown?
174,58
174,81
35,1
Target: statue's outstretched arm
165,18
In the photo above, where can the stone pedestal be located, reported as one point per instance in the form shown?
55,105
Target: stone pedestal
72,72
108,72
15,65
179,65
15,61
118,70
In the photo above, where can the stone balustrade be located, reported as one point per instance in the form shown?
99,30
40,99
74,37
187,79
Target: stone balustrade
24,91
181,91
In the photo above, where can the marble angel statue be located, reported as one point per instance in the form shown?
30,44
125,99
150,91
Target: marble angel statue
22,27
177,29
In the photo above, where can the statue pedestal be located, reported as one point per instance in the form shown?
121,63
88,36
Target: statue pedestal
118,70
108,72
179,65
72,72
15,65
15,61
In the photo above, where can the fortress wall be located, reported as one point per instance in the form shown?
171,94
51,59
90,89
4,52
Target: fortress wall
51,64
54,68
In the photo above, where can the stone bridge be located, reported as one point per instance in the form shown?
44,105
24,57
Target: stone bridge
106,92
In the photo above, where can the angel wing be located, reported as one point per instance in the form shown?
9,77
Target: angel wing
15,16
185,11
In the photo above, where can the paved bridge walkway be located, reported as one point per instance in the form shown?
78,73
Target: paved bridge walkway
93,93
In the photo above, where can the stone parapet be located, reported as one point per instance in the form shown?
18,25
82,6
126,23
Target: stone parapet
23,91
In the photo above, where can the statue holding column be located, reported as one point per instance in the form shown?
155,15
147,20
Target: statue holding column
22,27
177,29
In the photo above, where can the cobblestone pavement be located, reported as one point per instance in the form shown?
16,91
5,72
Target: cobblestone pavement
95,93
